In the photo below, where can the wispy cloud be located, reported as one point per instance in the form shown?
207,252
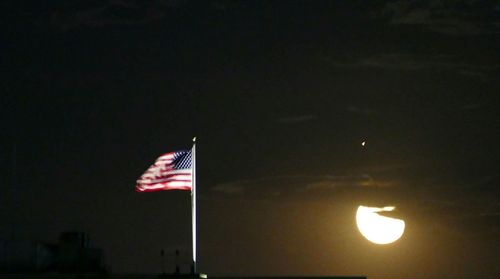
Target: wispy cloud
360,111
113,12
445,205
298,185
470,107
449,17
336,182
272,184
472,211
296,119
229,188
413,62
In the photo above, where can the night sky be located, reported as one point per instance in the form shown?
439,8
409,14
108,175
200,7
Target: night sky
280,94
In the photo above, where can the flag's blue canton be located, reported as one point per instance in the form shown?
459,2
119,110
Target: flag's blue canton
182,160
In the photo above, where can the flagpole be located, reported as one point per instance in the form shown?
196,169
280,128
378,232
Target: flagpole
193,205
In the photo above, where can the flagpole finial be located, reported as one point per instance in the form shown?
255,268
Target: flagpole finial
194,139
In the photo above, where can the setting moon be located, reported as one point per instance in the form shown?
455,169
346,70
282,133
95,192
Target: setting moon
377,228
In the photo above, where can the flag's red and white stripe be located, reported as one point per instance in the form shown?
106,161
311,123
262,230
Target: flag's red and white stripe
165,175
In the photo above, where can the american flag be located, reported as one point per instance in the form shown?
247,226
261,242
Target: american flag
171,171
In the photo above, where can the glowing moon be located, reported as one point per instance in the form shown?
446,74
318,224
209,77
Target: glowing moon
377,228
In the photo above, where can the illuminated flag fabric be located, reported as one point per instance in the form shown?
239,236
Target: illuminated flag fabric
171,171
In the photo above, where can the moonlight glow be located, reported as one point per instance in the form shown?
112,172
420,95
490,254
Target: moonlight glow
376,228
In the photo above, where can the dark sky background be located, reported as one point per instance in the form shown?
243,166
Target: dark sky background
280,95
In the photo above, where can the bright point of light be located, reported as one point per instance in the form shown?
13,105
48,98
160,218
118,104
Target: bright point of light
377,228
363,143
203,276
